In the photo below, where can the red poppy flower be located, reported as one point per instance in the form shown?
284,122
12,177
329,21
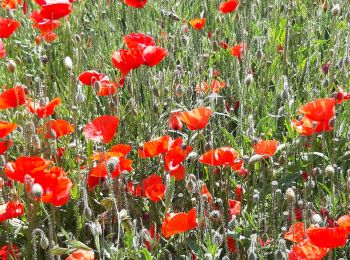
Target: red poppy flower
223,156
307,251
319,110
307,127
7,27
118,150
215,87
47,2
174,157
238,50
344,221
231,243
136,3
6,128
12,97
9,250
56,186
43,111
266,148
127,60
153,55
341,96
101,129
135,190
2,50
45,26
81,254
57,128
56,10
296,233
228,6
32,166
138,40
10,4
91,76
174,121
204,191
99,172
12,209
234,208
5,145
198,23
153,188
154,147
175,223
197,118
327,237
47,37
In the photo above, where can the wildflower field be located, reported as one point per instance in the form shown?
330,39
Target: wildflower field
174,129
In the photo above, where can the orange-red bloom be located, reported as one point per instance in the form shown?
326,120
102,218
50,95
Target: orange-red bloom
127,60
57,128
228,6
12,97
5,145
153,55
136,3
10,4
234,208
198,23
43,111
223,156
266,148
317,116
153,188
106,87
197,118
7,27
296,233
6,128
238,50
327,237
215,87
101,129
81,254
175,223
54,10
174,121
10,210
138,40
154,147
205,191
2,50
307,251
9,250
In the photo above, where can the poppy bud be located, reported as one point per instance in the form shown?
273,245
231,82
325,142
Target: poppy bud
256,198
329,171
316,218
259,54
346,61
215,215
335,10
301,204
44,242
208,256
274,185
37,190
87,213
68,63
282,159
249,79
311,184
191,185
11,66
178,91
290,195
35,140
44,59
155,92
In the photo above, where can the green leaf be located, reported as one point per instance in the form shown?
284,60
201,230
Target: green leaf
147,254
194,247
78,245
58,251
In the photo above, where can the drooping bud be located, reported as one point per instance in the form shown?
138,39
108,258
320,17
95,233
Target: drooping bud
68,63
